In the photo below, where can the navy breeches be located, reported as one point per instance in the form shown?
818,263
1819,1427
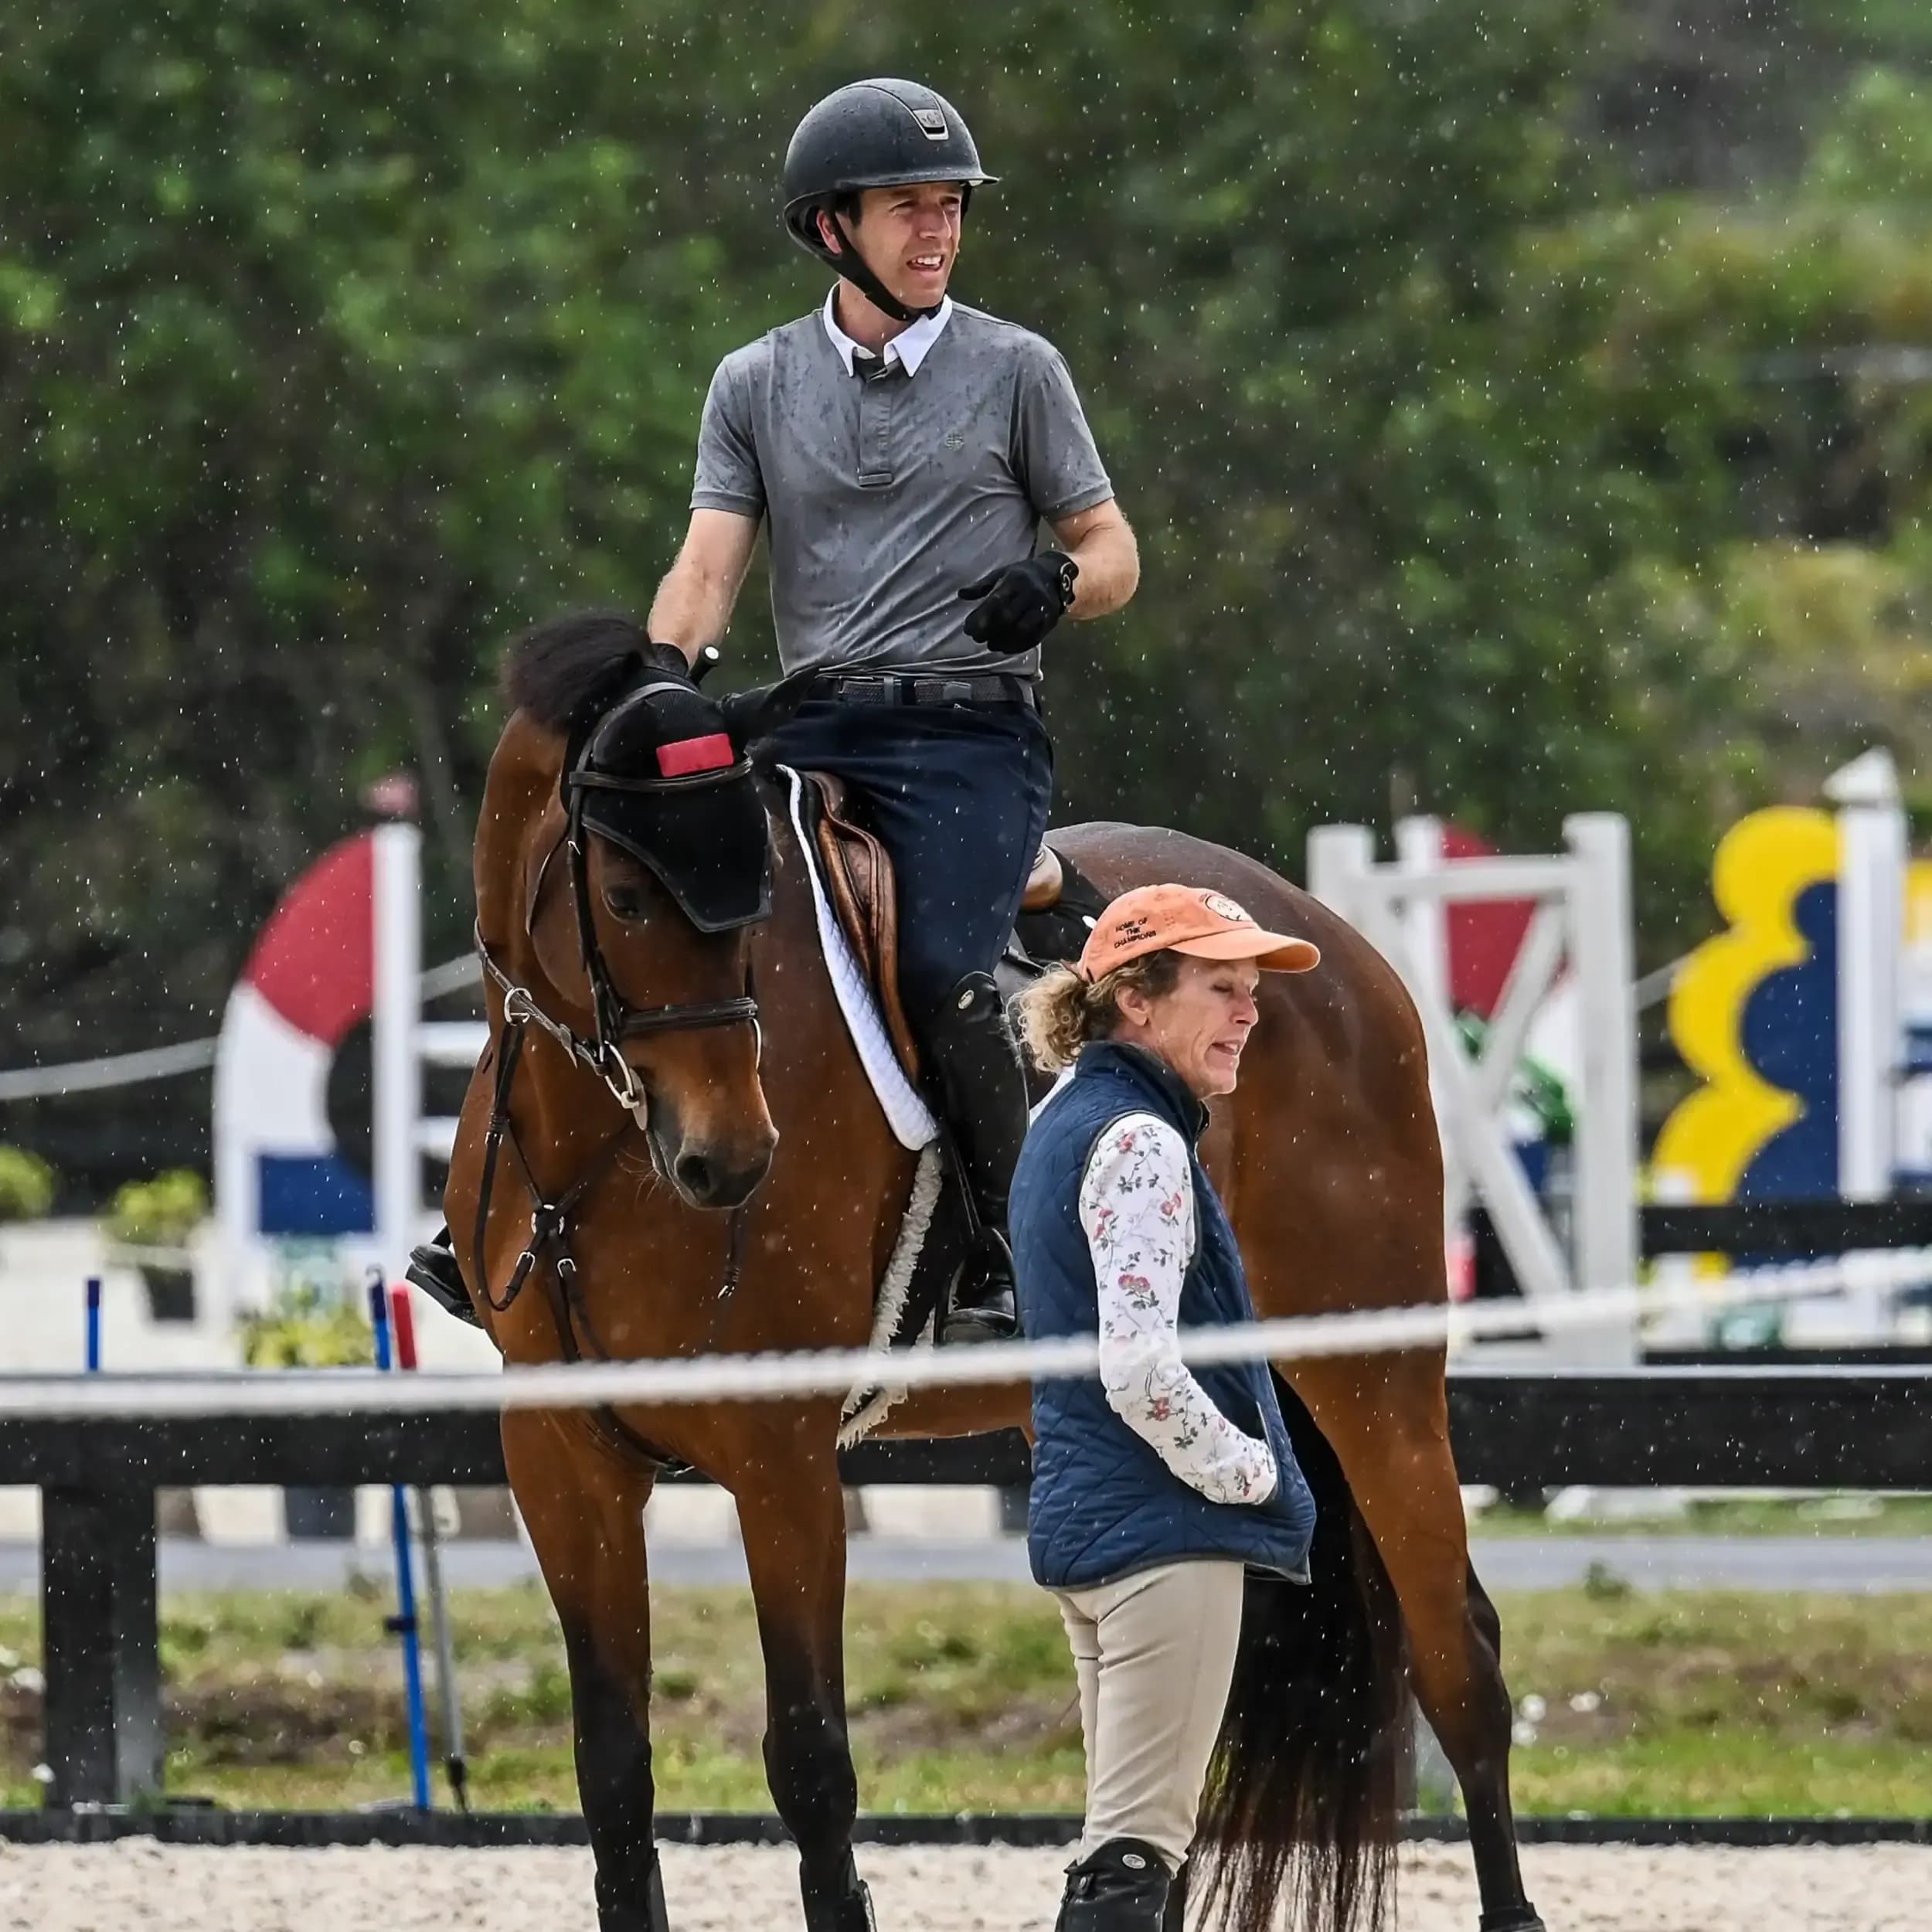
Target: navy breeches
957,794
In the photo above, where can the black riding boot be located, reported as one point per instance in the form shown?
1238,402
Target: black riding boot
433,1268
1174,1918
975,1065
1123,1887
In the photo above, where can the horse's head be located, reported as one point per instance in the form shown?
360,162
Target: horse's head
641,882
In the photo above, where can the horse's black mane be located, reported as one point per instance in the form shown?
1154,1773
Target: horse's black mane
566,671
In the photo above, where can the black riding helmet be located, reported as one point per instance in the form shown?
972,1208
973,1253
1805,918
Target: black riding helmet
874,133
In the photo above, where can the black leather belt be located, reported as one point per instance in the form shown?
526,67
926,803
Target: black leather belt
906,687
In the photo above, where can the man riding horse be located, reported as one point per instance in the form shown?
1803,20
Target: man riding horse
901,494
904,450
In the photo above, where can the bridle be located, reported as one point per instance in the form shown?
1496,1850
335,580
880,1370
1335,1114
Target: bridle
614,1021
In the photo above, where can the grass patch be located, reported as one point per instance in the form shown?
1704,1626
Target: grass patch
962,1697
1838,1513
1638,1704
1719,1775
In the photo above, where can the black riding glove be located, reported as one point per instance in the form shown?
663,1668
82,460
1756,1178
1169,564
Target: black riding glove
1022,603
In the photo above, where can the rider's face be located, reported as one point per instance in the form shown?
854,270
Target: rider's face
910,237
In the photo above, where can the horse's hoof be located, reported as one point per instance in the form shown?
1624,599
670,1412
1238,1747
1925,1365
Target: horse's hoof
851,1913
648,1915
1518,1918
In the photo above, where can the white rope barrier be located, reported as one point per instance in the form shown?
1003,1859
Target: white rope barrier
661,1382
186,1057
114,1070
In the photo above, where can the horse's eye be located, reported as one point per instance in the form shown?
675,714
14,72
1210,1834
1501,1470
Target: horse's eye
624,902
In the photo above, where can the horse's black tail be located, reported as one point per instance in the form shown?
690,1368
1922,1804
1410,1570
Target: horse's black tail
1300,1803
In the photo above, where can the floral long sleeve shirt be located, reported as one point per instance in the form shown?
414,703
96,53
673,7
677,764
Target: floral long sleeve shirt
1136,1208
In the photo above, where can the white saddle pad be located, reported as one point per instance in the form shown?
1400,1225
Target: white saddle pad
907,1114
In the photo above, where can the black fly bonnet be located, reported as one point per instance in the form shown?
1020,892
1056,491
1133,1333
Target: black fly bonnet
659,775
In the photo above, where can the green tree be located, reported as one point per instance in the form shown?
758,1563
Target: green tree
335,342
331,348
1806,307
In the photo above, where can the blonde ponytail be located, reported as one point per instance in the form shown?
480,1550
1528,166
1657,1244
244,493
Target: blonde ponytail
1060,1013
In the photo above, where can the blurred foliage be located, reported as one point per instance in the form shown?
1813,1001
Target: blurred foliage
160,1213
335,342
1803,317
26,1185
305,1326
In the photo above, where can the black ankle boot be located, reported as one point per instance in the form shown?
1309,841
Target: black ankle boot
1123,1887
982,1090
433,1268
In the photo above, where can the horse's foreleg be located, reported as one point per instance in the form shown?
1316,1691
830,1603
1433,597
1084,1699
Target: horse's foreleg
1384,1419
585,1514
792,1514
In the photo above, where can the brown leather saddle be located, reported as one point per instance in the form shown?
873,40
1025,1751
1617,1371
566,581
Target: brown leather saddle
858,874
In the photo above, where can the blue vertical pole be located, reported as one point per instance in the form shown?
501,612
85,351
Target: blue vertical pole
404,1623
93,1324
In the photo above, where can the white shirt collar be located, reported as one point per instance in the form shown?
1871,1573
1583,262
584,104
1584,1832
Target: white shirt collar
909,347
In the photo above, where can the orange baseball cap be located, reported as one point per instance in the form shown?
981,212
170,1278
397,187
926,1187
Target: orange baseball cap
1192,919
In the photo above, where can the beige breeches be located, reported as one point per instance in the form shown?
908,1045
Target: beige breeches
1154,1656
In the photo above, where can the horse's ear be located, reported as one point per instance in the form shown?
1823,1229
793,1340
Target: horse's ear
751,715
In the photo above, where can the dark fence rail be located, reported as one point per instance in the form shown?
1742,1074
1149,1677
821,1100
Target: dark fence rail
1763,1231
1788,1230
1868,1427
1799,1427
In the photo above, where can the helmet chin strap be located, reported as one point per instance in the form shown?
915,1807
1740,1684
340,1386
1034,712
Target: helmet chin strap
855,269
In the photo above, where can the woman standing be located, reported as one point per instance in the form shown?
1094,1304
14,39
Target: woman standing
1155,1490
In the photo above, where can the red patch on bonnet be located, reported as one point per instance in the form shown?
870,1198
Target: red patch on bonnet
684,755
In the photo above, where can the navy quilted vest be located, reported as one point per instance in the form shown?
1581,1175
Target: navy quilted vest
1103,1503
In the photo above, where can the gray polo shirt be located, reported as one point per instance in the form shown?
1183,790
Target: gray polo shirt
886,494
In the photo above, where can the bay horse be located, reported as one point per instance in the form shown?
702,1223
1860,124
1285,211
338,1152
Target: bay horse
670,1149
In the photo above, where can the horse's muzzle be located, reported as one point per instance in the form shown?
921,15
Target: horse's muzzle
714,1175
